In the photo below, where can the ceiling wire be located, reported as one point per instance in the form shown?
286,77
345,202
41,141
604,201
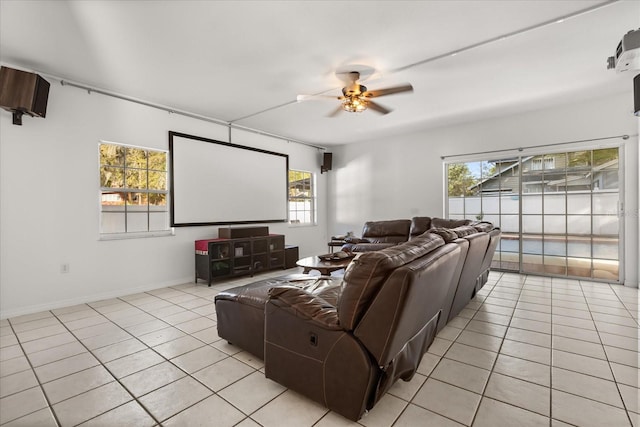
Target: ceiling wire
232,123
507,36
554,144
499,38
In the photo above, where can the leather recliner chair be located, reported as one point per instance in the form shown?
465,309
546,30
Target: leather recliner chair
346,354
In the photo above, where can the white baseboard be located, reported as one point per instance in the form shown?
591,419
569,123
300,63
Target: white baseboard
7,314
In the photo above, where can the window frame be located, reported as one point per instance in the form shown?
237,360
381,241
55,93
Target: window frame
167,230
312,200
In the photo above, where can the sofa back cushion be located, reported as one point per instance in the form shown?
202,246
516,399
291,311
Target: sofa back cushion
367,272
419,225
482,226
464,230
410,298
394,231
447,234
449,223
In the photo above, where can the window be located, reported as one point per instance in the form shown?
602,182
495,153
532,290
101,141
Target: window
133,190
558,212
301,198
538,162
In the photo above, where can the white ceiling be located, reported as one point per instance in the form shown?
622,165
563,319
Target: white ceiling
246,61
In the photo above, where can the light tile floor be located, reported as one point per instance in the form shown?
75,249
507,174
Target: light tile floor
526,351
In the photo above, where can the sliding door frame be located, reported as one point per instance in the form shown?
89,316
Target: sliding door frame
550,149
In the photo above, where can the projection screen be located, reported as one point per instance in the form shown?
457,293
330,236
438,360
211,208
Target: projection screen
216,183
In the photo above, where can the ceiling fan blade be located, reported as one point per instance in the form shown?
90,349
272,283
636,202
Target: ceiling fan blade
389,91
335,112
378,108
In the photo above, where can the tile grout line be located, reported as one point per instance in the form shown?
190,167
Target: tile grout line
493,365
116,379
624,404
33,371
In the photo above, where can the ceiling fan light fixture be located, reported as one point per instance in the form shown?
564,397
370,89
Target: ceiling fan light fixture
354,103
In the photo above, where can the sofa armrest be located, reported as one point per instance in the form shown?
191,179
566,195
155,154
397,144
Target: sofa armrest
369,247
356,240
305,306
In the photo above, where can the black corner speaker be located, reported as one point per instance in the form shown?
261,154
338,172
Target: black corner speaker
636,95
22,92
327,159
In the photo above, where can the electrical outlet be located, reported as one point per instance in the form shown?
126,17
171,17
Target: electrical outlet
64,268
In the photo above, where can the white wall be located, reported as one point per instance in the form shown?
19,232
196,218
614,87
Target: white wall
49,205
402,177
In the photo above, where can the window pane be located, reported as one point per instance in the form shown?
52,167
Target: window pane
606,269
158,221
579,224
112,222
111,155
490,204
579,247
472,207
157,160
605,203
301,197
555,265
136,158
532,263
157,202
555,246
605,180
580,267
510,223
456,205
157,180
606,248
510,203
532,223
605,159
532,245
112,177
605,225
461,179
554,224
579,203
136,201
137,222
554,203
532,204
136,179
579,160
112,201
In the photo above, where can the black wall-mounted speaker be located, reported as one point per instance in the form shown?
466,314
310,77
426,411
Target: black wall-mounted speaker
327,160
636,95
22,92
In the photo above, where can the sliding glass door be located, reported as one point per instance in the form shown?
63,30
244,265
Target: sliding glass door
558,211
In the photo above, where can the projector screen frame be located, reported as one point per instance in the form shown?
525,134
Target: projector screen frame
173,222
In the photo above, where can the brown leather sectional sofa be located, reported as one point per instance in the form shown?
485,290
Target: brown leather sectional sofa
343,341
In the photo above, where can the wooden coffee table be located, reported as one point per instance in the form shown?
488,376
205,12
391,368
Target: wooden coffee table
324,267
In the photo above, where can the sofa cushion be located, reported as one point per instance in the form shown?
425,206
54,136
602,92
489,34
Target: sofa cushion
448,223
482,226
464,230
446,234
419,225
368,271
394,231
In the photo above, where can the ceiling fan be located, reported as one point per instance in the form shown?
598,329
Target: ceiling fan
356,98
